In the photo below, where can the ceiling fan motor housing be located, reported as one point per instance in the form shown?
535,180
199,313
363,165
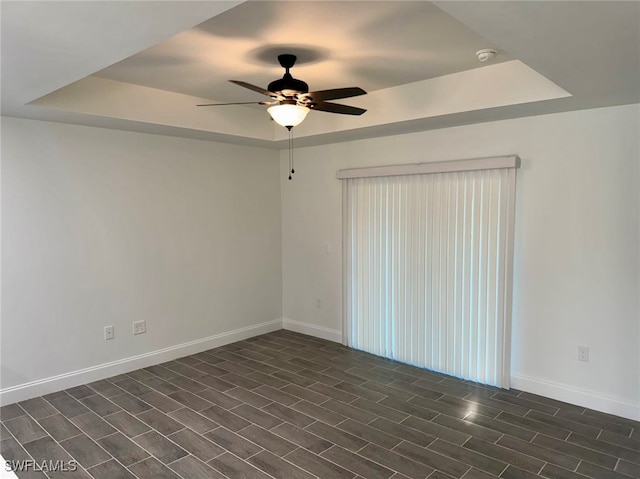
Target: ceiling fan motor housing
288,85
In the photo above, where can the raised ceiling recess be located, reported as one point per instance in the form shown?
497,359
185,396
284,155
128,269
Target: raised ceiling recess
416,59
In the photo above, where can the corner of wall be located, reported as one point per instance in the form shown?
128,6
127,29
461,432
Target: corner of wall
321,332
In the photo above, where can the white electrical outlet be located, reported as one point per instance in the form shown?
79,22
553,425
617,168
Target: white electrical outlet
139,327
108,333
583,353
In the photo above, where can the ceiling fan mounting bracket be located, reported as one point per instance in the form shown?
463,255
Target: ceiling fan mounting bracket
287,60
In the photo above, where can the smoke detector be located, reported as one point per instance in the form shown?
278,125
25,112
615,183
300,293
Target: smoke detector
486,54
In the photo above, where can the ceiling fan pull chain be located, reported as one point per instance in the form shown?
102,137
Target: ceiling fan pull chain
291,150
291,170
290,156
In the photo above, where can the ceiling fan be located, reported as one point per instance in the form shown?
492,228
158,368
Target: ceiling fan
291,99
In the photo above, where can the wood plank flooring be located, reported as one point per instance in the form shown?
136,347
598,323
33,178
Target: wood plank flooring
285,405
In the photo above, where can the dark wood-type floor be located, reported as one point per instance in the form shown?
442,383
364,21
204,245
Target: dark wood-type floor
290,406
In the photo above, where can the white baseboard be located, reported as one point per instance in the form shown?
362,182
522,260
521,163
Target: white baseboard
550,389
312,330
581,397
106,370
553,390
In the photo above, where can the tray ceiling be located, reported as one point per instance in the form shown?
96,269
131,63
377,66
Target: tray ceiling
144,65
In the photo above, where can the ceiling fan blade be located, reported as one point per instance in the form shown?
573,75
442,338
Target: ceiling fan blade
336,93
252,87
240,103
337,108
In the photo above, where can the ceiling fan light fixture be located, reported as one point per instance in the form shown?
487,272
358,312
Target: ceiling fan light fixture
288,115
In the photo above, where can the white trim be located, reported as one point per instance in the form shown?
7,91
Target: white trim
509,255
321,332
431,167
94,373
580,397
550,389
346,263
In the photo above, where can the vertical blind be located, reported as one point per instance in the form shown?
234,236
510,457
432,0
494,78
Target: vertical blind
428,267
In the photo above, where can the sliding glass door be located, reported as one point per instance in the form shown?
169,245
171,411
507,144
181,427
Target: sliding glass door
428,267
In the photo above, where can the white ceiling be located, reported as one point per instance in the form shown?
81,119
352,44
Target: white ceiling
373,45
144,65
